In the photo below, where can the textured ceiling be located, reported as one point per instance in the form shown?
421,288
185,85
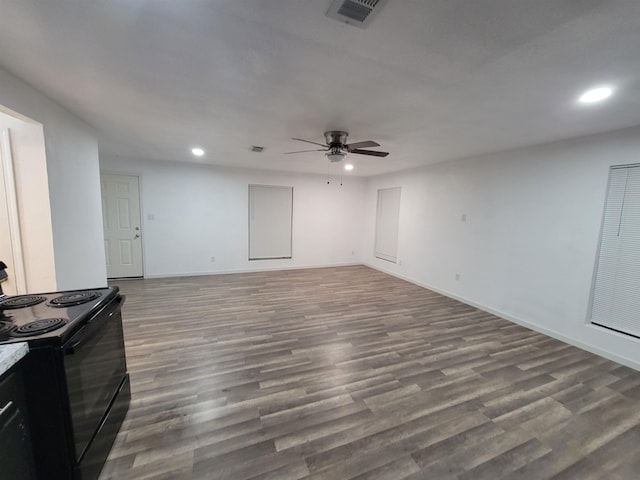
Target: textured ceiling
430,80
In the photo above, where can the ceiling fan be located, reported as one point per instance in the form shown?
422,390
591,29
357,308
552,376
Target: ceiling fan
337,148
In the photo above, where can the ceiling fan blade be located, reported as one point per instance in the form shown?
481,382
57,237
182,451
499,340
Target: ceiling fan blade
303,151
367,143
373,153
309,141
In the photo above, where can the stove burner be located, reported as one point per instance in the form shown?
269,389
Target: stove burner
5,328
38,327
21,301
75,298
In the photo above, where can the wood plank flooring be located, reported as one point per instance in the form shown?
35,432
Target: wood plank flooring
348,373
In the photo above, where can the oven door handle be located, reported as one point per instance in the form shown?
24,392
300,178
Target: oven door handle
93,325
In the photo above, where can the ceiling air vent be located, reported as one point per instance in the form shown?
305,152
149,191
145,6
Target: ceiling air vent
355,12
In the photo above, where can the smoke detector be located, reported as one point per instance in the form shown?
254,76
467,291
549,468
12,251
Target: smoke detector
359,13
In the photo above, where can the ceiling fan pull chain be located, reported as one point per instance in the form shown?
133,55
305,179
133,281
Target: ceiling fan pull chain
328,164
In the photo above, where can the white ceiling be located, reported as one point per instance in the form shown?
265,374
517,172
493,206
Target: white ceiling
430,80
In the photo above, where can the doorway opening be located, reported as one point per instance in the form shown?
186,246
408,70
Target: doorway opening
26,239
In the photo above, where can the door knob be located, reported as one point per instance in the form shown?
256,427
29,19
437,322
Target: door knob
137,235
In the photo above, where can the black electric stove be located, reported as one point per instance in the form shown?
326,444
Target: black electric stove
76,379
49,319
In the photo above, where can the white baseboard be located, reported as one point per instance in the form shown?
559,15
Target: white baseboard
514,319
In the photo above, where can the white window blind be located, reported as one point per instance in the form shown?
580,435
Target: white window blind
270,220
616,290
387,220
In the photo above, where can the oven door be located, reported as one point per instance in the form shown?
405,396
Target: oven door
95,364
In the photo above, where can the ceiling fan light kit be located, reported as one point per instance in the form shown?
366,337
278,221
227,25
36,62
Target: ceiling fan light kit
335,156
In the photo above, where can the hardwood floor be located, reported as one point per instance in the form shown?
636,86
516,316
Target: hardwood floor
348,373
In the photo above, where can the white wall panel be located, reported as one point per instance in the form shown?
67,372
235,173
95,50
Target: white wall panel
192,213
515,233
73,181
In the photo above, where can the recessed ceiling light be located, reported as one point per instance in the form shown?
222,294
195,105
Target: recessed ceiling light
596,95
348,167
197,151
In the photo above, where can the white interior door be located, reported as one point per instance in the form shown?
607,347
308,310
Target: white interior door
121,219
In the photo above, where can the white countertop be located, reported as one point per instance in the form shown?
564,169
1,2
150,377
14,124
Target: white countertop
10,354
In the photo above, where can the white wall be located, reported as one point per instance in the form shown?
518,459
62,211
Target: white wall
73,183
201,212
527,249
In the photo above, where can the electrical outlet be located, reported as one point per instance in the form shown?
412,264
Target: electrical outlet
457,276
213,259
151,216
